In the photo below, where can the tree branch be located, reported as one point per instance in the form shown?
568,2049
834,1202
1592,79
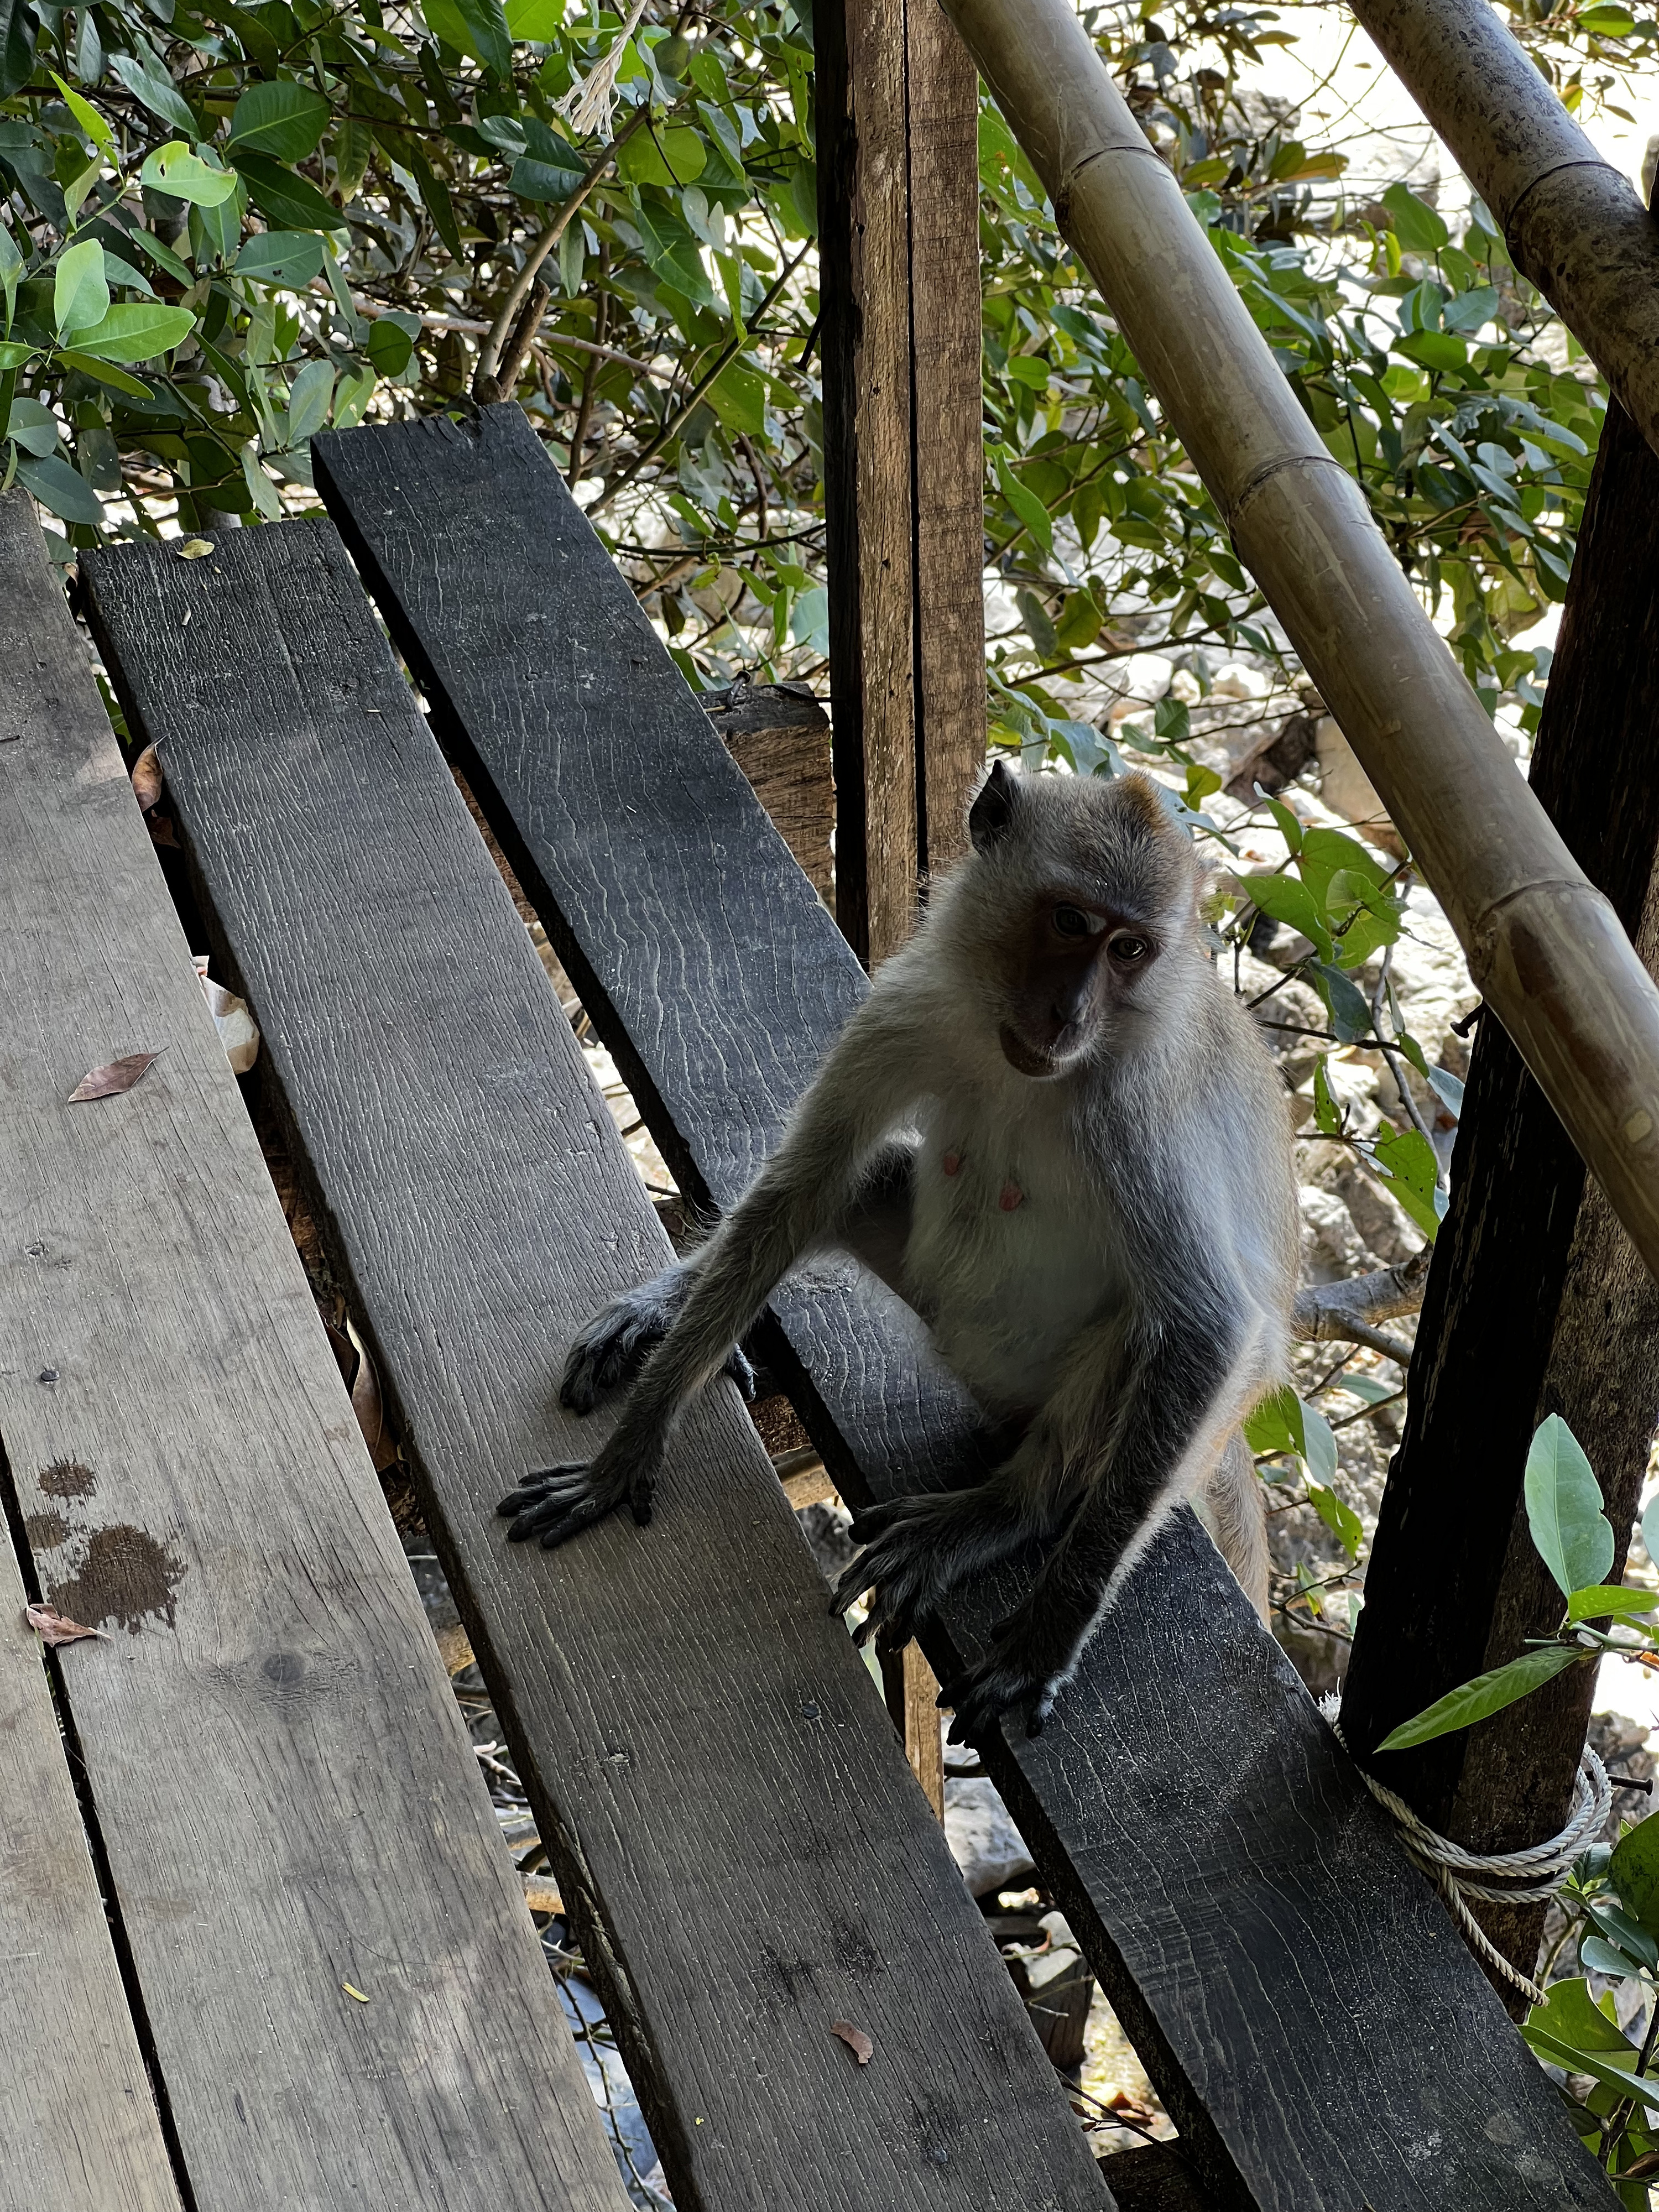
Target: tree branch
1347,1313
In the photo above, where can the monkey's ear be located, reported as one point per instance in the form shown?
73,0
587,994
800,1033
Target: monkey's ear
992,814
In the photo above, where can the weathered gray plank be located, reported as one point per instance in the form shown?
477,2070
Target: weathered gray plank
285,1792
78,2124
725,1803
1308,2013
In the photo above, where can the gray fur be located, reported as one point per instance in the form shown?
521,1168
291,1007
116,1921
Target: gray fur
1130,1305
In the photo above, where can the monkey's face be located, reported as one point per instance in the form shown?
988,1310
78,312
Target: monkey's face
1082,961
1079,916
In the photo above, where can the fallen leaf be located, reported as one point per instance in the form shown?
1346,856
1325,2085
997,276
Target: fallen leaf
118,1076
161,831
54,1627
351,1992
365,1403
238,1031
856,2039
193,548
541,1894
147,779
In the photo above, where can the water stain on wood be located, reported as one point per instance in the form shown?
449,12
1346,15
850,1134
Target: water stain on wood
67,1478
45,1531
126,1578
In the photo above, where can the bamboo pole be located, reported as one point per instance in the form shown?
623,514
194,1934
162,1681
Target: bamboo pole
1544,946
1572,222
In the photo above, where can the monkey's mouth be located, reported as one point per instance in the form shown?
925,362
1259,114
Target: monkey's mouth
1027,1059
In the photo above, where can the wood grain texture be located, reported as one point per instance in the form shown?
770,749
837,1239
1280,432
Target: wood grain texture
1537,1302
1307,2011
779,736
728,1811
942,132
286,1795
864,277
78,2123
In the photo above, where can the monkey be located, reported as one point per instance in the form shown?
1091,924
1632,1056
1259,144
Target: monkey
1051,1128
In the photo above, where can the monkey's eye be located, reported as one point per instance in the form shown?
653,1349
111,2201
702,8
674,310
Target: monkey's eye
1129,949
1072,921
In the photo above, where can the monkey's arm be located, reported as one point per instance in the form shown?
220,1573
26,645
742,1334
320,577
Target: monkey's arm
805,1195
1131,1451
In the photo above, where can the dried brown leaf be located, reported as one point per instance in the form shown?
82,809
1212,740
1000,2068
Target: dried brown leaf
365,1403
856,2039
193,549
54,1627
147,779
117,1076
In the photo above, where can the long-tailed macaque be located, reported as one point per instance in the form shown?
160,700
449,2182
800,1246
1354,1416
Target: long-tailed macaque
1053,1130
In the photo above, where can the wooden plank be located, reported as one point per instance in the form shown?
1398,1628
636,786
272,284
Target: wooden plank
286,1795
1537,1302
864,278
942,139
1310,2018
725,1803
78,2123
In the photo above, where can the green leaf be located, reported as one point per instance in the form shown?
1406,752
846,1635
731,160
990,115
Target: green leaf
19,28
738,396
1433,349
284,119
1289,825
64,490
1416,225
33,425
1288,899
1614,1923
1573,1536
136,330
1601,1957
537,22
289,257
542,180
173,169
1351,1017
11,268
389,345
286,201
1405,1163
96,129
487,37
1327,1118
1570,2014
117,379
308,401
1281,1422
1650,1526
80,292
14,355
1633,1870
1597,1600
1026,505
1486,1693
1643,2088
158,92
1341,1520
1324,854
669,158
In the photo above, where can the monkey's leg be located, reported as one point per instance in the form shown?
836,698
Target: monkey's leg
876,1226
1190,1377
611,1349
1237,1518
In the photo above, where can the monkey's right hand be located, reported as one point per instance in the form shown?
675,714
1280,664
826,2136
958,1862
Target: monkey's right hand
611,1349
554,1503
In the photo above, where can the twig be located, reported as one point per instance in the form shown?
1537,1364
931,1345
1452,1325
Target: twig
1346,1313
485,387
683,413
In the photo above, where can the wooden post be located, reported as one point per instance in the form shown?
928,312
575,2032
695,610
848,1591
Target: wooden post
897,134
1537,1300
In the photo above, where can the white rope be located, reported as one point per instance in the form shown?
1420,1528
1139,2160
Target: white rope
1526,1877
588,100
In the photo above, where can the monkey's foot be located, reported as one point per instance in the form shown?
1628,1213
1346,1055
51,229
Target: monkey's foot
1020,1669
554,1503
911,1560
611,1349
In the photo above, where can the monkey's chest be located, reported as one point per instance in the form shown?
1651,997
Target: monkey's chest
1007,1261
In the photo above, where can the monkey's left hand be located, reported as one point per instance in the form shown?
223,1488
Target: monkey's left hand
1027,1663
557,1503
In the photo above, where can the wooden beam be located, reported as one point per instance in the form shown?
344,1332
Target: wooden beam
286,1797
898,123
728,1815
80,2125
1230,1957
1537,1300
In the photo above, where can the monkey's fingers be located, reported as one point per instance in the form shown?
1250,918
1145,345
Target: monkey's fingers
855,1582
539,1482
740,1368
